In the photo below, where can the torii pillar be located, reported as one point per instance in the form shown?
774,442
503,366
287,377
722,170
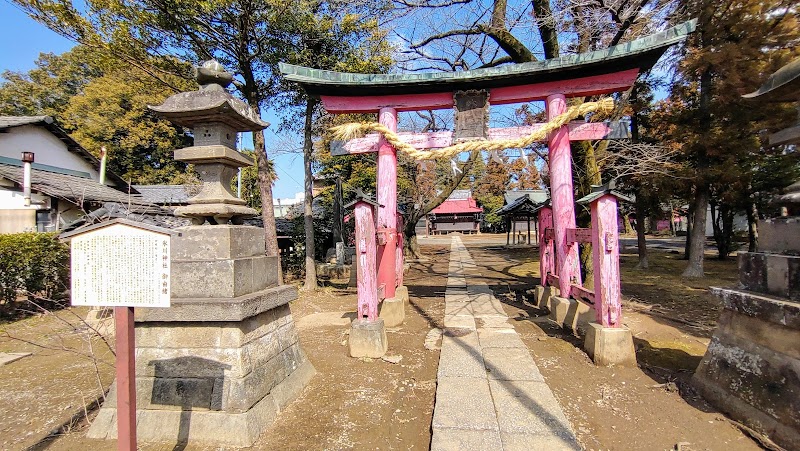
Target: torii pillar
393,300
563,201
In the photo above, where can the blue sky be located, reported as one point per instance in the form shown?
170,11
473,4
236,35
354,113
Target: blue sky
22,40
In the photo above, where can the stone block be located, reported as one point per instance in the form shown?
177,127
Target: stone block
222,278
179,425
459,322
559,307
401,293
579,315
392,311
779,235
530,407
526,442
511,364
763,307
368,338
543,294
500,338
222,334
461,356
774,274
459,439
755,375
464,403
608,346
220,309
217,242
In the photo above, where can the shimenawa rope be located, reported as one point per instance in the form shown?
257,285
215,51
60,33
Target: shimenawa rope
346,132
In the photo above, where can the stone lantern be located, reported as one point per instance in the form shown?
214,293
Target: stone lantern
220,364
215,117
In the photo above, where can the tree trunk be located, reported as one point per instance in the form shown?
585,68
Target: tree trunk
265,177
592,178
308,213
641,240
726,214
697,241
410,243
752,227
626,218
689,220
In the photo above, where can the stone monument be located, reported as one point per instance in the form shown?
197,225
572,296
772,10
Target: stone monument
751,370
220,364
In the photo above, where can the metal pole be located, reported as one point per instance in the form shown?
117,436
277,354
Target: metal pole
103,158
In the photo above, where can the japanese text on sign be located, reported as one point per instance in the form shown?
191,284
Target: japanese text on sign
121,266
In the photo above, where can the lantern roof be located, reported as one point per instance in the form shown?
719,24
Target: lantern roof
212,103
781,86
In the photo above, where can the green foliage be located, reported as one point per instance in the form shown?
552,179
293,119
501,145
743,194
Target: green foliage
48,88
102,102
35,263
737,45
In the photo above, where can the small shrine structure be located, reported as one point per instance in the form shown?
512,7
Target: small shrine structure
458,213
224,359
518,211
751,370
469,94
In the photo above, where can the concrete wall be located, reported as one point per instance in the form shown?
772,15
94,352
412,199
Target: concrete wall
47,148
17,221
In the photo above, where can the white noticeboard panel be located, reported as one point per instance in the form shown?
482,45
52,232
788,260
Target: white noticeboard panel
121,266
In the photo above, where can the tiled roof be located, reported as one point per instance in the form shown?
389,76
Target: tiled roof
524,203
18,121
460,194
536,195
149,215
457,206
166,194
70,187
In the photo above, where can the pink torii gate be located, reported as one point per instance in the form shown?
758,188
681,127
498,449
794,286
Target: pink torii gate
552,81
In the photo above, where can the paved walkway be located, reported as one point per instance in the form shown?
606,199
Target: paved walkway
490,394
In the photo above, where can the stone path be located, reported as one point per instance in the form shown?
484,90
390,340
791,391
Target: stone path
490,394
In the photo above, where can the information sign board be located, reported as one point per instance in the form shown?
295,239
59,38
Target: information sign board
121,265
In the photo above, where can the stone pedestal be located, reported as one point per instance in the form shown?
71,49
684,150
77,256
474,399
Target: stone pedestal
559,308
543,294
367,338
751,370
393,310
608,346
220,363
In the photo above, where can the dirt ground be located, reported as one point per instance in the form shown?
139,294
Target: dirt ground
375,404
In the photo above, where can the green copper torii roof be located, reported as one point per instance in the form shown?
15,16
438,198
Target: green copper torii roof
641,53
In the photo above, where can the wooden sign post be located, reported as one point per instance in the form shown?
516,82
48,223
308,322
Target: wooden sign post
121,264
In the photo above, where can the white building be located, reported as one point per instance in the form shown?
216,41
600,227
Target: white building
64,177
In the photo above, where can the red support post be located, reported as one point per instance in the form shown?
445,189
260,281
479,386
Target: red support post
126,378
562,198
387,198
546,255
399,251
365,267
605,256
